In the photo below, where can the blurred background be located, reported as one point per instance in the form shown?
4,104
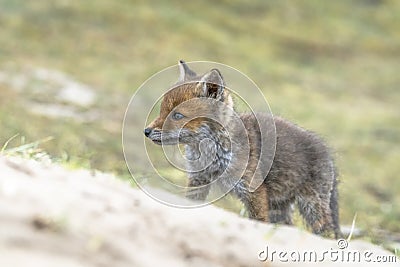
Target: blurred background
68,69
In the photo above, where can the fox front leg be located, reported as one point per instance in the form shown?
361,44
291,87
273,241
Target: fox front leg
257,203
198,189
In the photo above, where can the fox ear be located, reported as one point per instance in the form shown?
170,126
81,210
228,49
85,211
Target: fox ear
185,71
213,85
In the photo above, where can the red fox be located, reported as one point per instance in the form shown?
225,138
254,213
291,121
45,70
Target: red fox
302,170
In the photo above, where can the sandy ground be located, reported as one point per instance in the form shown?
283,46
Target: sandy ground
50,216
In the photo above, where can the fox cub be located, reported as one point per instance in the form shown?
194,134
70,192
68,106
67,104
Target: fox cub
302,169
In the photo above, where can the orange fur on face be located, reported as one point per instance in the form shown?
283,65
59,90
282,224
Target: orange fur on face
173,99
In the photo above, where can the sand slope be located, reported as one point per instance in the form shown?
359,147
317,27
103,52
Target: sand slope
50,216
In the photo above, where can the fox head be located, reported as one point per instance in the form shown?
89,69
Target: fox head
194,107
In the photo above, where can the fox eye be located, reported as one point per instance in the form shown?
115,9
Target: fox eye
177,116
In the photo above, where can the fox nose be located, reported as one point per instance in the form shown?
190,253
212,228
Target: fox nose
147,132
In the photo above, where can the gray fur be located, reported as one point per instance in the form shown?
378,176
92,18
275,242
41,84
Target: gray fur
303,172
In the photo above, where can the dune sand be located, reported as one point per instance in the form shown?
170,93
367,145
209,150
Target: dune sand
51,216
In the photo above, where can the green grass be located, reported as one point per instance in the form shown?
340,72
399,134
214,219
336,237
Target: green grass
330,66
